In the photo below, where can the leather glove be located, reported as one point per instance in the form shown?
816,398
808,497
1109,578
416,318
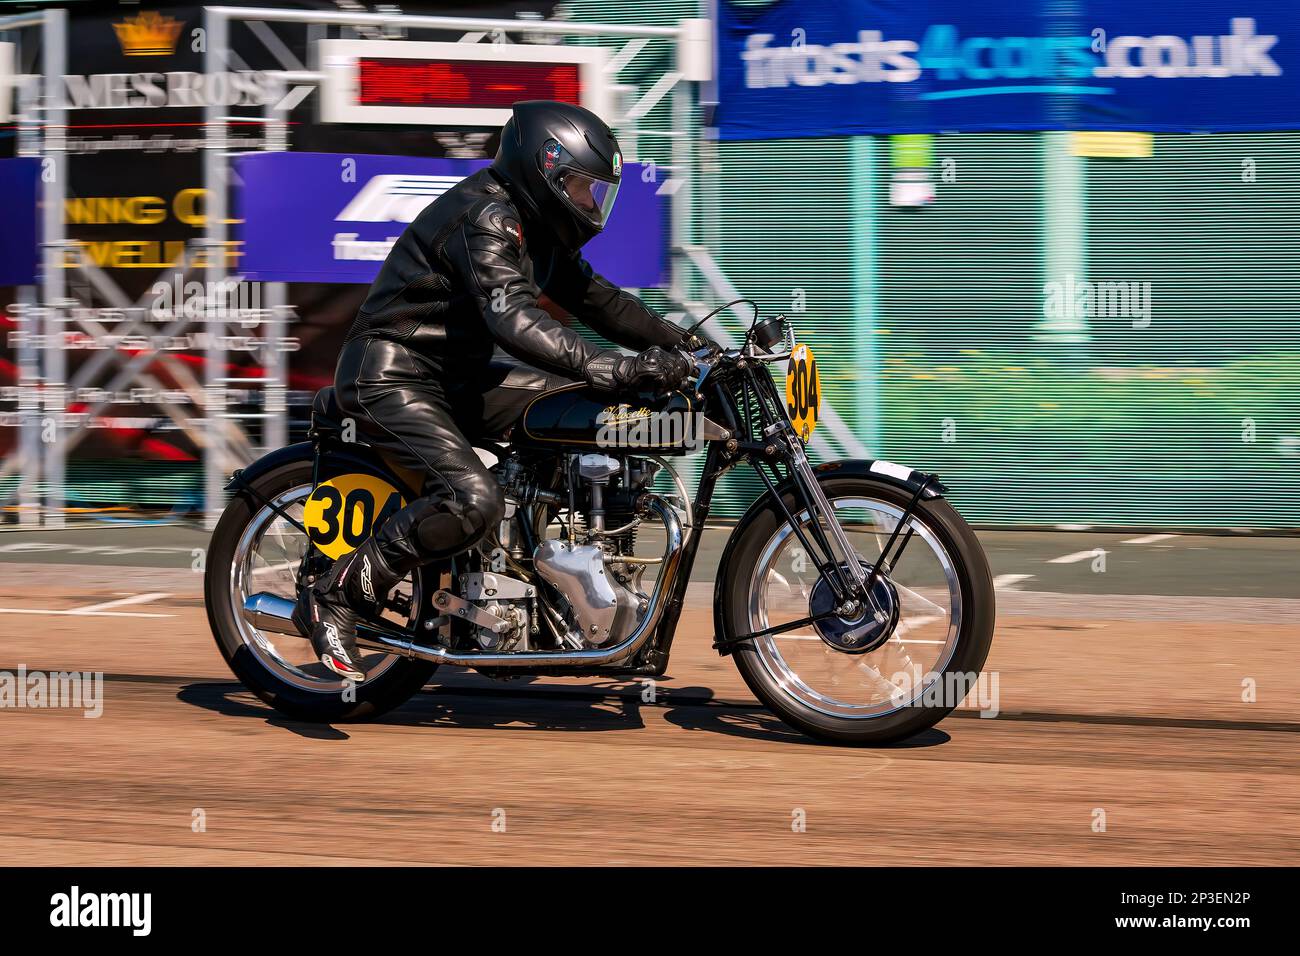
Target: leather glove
655,369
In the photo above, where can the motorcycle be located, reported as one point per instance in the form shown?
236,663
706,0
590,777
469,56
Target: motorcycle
855,601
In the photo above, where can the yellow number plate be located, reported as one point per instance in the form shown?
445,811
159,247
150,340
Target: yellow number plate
803,391
344,511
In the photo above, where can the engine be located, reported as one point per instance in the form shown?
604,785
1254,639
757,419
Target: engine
512,602
575,581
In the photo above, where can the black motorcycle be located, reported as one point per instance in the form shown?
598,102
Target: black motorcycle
855,601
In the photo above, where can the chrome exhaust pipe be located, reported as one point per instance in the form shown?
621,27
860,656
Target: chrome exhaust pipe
274,614
268,612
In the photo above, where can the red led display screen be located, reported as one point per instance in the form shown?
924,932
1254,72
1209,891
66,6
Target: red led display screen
463,83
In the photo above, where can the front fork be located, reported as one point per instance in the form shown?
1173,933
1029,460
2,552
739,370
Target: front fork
842,567
820,509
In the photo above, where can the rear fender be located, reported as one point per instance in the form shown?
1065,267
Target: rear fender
337,458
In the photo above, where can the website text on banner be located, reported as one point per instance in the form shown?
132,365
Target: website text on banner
793,68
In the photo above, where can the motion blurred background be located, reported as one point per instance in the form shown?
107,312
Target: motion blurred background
1044,248
1047,249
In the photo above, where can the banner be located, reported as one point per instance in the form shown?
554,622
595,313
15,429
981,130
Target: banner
789,68
19,240
326,217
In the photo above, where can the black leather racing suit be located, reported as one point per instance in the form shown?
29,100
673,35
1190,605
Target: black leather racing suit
418,370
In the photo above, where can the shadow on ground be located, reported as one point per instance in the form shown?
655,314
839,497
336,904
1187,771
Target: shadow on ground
612,706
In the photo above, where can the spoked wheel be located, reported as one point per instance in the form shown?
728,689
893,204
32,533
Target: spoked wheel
865,674
253,550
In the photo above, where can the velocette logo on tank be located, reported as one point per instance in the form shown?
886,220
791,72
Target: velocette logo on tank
625,426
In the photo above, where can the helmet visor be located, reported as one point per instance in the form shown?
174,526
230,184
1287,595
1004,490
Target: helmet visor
593,198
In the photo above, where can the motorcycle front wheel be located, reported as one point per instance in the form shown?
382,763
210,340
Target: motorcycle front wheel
936,606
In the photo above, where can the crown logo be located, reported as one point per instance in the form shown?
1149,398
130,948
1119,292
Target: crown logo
148,33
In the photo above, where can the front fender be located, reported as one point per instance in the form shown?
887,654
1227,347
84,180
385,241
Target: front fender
909,479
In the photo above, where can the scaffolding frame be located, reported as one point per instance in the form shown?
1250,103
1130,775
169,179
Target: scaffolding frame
41,456
696,281
692,39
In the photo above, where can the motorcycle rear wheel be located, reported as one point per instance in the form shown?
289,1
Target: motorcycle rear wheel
252,544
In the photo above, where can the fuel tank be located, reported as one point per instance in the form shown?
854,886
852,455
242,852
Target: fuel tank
577,415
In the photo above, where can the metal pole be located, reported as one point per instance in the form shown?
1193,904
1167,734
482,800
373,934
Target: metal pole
17,21
562,27
214,181
865,200
1064,221
28,355
29,413
275,431
54,192
682,212
683,154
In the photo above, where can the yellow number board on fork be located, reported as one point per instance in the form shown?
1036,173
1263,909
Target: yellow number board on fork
803,391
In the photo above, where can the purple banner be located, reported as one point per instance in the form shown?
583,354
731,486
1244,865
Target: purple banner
20,239
331,217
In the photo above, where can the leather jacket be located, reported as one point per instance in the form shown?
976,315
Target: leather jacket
465,276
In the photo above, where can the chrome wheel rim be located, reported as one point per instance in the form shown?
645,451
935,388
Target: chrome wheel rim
904,668
267,559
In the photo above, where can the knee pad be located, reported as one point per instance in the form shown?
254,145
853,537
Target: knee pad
451,526
489,504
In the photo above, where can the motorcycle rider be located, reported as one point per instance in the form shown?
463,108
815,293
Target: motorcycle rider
416,369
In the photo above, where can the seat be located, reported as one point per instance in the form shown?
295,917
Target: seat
509,385
326,416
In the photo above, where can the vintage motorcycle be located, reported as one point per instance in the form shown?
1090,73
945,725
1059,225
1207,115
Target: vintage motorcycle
856,602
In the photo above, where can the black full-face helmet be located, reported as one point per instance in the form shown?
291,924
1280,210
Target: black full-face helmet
562,163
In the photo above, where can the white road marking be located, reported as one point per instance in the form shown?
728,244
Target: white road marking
269,568
1074,558
40,547
97,610
120,602
1150,538
38,610
1006,580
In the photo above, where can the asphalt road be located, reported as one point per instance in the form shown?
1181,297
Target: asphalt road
1145,714
1135,563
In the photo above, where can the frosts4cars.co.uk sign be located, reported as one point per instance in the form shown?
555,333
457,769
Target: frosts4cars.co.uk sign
790,68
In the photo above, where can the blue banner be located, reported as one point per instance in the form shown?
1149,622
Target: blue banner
327,217
20,239
789,68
